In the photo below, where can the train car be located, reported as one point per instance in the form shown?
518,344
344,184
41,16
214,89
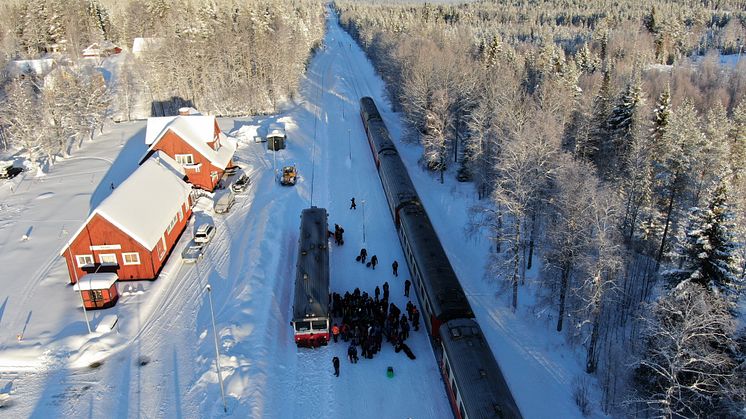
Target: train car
375,129
474,382
438,288
397,185
311,304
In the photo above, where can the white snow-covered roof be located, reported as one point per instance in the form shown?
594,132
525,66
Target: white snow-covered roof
276,130
197,131
98,47
144,44
38,67
96,281
144,204
169,163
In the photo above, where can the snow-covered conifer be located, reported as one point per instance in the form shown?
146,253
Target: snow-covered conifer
707,250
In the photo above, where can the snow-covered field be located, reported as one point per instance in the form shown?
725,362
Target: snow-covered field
159,361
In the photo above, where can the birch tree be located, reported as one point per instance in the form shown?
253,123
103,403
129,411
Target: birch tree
688,368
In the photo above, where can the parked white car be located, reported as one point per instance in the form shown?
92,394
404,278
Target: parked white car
204,233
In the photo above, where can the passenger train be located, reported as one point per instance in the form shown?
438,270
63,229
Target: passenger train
474,382
311,305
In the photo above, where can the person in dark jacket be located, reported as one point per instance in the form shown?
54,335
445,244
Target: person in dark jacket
386,291
353,205
378,292
416,318
363,255
352,353
373,261
395,267
335,362
407,284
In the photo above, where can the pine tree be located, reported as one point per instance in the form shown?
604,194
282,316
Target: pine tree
661,116
599,147
708,249
737,137
678,165
624,122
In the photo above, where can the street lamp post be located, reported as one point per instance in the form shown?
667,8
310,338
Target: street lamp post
217,351
349,143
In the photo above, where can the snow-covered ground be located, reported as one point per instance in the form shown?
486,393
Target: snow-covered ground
159,361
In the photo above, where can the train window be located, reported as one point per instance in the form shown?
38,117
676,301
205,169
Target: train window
302,326
318,325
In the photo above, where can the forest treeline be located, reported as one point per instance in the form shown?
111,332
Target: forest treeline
606,138
224,57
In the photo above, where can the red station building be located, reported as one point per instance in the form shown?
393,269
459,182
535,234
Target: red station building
132,232
195,142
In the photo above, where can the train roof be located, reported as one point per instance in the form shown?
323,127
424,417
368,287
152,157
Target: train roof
312,267
398,183
369,108
441,284
481,383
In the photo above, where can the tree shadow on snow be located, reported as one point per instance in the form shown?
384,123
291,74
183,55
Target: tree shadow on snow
125,163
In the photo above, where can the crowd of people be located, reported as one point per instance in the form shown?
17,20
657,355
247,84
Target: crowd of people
366,321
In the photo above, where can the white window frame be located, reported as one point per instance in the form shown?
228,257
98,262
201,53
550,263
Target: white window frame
181,157
137,257
84,259
162,250
101,257
181,215
173,224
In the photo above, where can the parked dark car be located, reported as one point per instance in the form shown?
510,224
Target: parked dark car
240,184
10,172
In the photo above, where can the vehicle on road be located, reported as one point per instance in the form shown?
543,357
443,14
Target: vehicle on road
192,252
204,233
224,202
10,172
289,176
241,183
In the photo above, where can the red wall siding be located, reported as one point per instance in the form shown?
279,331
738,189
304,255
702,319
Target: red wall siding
172,145
100,231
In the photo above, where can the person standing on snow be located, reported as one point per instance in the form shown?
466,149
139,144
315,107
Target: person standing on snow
363,255
395,267
373,261
416,318
386,290
407,284
353,205
335,362
335,332
378,292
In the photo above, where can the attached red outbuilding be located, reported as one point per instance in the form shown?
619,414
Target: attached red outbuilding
196,143
99,290
132,232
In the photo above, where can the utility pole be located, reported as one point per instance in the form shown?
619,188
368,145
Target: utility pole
349,143
363,202
217,351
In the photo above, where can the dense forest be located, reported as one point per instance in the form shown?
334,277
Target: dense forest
607,139
224,57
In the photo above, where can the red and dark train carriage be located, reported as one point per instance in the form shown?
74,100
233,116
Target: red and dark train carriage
311,304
